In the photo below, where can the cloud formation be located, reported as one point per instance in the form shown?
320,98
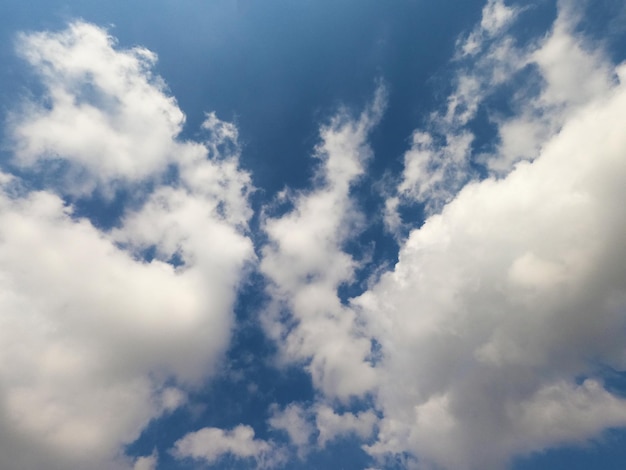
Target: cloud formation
103,111
294,421
439,161
490,338
332,425
98,338
210,444
305,263
506,307
543,82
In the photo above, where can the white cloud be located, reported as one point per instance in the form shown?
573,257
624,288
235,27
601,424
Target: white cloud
496,16
574,412
96,341
210,444
333,425
491,325
503,301
294,420
572,74
485,323
556,75
438,163
320,423
305,264
103,113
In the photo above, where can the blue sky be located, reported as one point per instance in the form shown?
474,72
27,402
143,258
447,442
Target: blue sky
313,234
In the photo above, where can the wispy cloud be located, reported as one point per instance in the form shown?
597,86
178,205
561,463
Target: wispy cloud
544,81
439,162
305,263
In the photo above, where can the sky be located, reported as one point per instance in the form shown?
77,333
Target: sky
351,234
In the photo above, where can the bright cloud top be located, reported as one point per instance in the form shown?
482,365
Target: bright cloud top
92,332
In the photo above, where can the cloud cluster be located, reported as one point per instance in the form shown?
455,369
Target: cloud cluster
502,301
305,263
98,335
294,420
332,425
506,307
211,444
508,304
489,338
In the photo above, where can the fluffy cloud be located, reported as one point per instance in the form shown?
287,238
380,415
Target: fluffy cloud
572,74
491,333
103,112
305,264
319,422
545,81
503,309
333,425
98,339
210,444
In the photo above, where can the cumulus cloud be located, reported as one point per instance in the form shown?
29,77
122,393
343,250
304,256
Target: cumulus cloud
210,444
488,339
571,72
103,112
320,424
97,337
305,263
503,309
